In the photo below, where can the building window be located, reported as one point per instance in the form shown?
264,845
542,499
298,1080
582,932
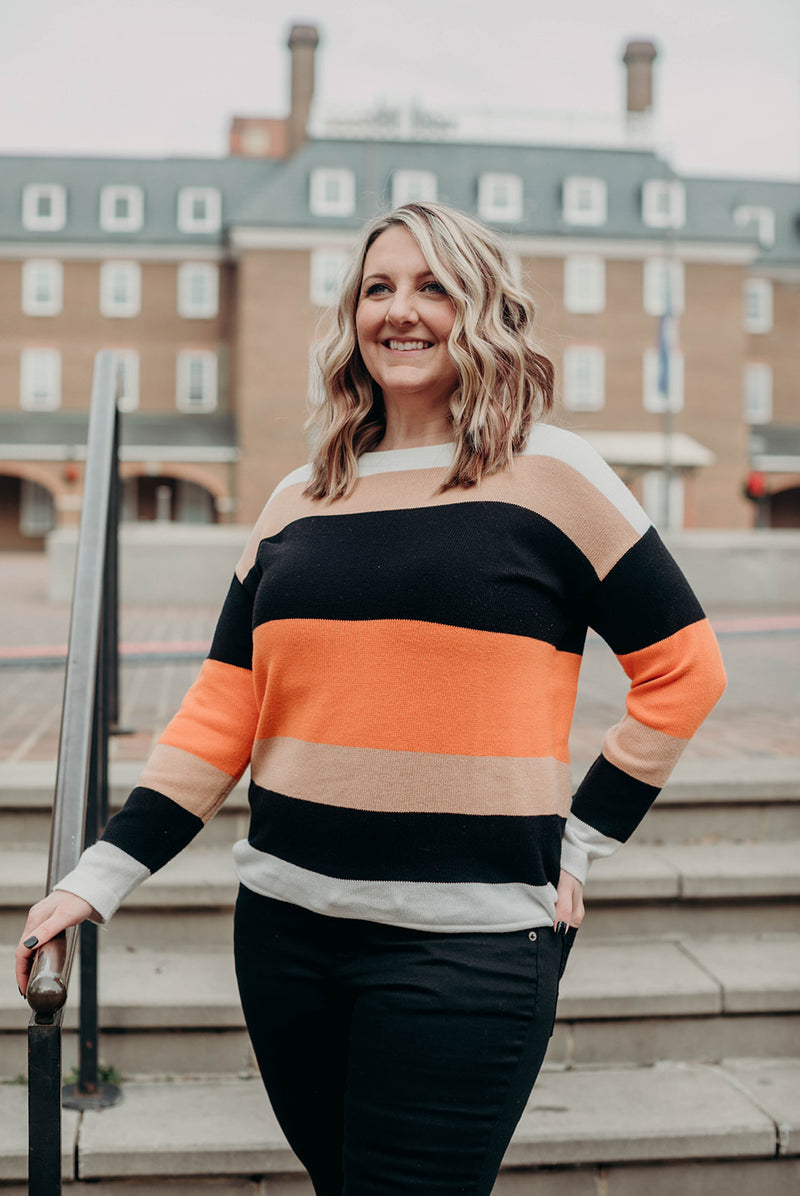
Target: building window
333,192
757,395
764,220
198,290
120,289
584,283
37,515
500,197
199,210
121,209
413,186
585,201
664,281
327,267
654,499
40,379
584,379
42,287
661,393
126,362
757,305
44,207
196,381
663,204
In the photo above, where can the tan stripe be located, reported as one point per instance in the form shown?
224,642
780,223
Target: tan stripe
545,485
420,782
641,752
191,782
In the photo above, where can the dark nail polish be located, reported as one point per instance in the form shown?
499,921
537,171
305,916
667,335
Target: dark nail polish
31,942
561,928
21,993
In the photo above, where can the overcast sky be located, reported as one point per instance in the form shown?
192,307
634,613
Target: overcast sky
162,77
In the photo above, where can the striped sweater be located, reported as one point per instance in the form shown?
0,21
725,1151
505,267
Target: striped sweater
399,668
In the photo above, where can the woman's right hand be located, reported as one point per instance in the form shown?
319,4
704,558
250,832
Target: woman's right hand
46,919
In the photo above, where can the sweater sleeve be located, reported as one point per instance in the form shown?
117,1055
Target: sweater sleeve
646,611
197,761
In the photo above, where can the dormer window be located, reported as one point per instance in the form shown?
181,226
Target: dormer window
333,192
413,186
199,210
44,207
585,201
664,204
121,209
764,220
500,197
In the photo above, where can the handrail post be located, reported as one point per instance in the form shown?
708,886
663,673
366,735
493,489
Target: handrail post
44,1104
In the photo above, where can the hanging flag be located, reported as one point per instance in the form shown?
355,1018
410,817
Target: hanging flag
666,337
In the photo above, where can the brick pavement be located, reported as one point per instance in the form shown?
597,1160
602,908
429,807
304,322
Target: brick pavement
758,716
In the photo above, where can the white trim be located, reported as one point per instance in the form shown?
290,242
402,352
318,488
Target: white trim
58,203
654,282
320,203
584,378
187,221
53,305
42,362
653,495
489,208
761,319
183,367
584,283
112,307
757,393
652,192
80,251
185,302
406,182
121,224
575,186
139,453
642,449
769,464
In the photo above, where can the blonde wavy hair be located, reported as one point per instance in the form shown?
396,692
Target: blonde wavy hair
505,382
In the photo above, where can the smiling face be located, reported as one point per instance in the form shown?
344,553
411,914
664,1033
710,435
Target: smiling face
403,321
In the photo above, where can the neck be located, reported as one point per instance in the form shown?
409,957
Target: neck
410,428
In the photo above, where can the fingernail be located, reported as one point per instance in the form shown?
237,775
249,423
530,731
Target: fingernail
561,928
21,993
31,942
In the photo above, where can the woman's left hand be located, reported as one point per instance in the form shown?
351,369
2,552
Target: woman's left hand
569,903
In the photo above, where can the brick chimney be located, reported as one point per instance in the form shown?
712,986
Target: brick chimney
303,42
638,59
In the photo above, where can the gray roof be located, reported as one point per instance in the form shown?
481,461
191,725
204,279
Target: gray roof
259,193
68,428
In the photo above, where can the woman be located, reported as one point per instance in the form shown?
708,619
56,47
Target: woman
397,658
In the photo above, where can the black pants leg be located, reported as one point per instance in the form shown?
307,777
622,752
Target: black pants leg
397,1061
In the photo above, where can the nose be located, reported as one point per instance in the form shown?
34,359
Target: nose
402,310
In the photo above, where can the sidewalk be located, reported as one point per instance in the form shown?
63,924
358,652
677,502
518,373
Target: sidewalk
759,716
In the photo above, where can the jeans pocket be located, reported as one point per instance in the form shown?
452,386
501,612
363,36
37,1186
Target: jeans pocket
566,947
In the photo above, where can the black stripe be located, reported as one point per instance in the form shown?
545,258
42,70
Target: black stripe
611,801
388,846
489,566
233,637
152,828
645,598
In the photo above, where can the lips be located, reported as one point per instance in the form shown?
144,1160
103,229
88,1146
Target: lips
408,346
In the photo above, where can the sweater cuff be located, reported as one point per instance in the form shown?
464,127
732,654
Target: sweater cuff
104,877
574,860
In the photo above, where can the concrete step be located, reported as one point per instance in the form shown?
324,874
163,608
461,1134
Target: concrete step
620,1131
635,1001
644,889
705,800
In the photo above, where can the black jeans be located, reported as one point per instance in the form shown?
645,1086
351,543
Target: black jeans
397,1061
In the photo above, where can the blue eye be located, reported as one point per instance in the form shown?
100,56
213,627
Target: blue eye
436,287
375,288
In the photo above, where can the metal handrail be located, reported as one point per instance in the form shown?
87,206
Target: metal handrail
81,781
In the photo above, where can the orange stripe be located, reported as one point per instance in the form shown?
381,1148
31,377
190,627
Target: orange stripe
676,681
414,686
217,718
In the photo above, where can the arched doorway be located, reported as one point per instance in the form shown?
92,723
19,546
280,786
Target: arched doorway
784,508
166,500
27,514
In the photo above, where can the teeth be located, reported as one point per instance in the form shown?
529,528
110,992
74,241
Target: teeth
403,345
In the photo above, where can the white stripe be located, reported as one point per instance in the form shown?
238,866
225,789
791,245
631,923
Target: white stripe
416,905
104,876
582,844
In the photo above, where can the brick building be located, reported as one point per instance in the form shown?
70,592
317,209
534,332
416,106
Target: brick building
209,277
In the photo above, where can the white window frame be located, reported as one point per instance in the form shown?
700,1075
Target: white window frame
653,191
500,212
109,305
37,511
763,217
652,398
32,305
187,306
655,273
183,368
188,222
584,283
113,223
757,393
653,482
584,383
129,360
758,304
326,273
322,204
412,186
36,365
58,207
574,212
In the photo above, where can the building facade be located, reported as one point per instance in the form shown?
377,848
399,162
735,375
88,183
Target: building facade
670,306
